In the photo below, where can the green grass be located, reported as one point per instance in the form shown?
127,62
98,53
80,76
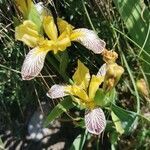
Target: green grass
114,26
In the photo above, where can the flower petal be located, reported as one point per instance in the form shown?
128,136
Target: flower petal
56,91
50,27
64,26
40,8
94,85
89,39
82,76
27,33
33,63
77,91
63,41
95,121
24,6
102,70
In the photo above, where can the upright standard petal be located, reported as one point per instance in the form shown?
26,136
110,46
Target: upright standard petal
33,63
50,27
94,85
56,91
64,26
102,70
24,6
82,76
95,121
89,39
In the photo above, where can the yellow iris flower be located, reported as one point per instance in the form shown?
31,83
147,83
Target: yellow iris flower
29,34
84,90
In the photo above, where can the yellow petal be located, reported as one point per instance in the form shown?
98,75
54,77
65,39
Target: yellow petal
78,92
80,103
76,34
89,39
94,85
33,63
63,41
63,44
45,44
82,76
50,27
27,33
64,26
23,6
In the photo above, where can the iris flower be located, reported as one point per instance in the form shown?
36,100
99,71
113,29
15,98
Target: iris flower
83,91
54,41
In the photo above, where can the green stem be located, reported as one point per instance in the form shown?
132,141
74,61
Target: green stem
133,82
53,62
131,41
88,16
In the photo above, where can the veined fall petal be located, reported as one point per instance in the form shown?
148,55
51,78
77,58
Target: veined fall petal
57,91
102,70
95,121
33,63
27,33
89,39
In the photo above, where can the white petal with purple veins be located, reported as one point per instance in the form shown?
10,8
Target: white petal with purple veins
56,91
90,40
95,121
102,70
33,63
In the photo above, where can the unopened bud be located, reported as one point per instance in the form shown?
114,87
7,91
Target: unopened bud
109,56
113,74
142,87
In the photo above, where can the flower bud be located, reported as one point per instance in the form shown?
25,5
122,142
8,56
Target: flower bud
142,87
113,74
109,56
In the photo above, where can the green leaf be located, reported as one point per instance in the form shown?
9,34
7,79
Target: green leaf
78,143
117,123
63,106
136,17
80,123
136,21
128,118
2,147
114,137
64,62
103,99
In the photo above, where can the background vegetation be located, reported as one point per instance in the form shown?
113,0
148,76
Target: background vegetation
123,24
